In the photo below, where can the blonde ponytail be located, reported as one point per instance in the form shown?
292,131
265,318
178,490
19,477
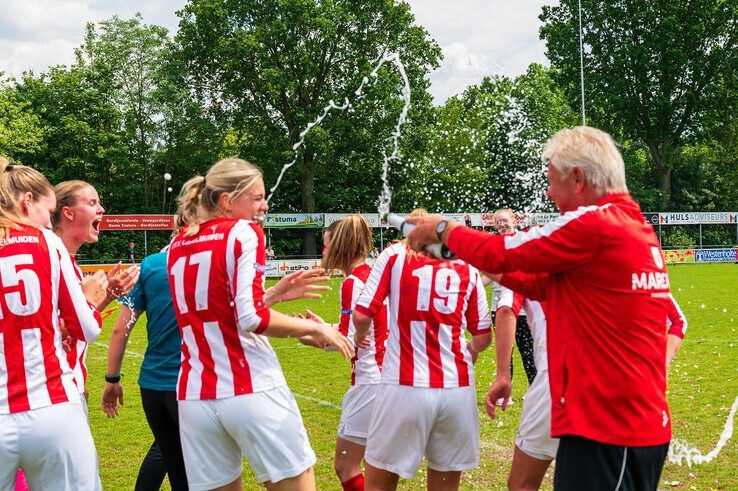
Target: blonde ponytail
351,241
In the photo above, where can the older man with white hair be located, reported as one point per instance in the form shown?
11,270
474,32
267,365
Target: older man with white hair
601,272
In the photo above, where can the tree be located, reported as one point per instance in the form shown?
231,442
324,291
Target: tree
654,70
20,129
485,152
127,55
271,66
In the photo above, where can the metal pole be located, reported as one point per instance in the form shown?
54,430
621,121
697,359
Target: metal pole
660,244
700,236
581,62
146,244
381,238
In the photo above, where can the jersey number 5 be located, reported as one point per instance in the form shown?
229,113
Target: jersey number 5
29,301
201,261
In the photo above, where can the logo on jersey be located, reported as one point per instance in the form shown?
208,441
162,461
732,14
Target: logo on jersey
261,268
650,281
657,257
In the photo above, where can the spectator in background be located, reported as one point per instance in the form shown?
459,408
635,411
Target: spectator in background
507,306
132,252
270,253
467,220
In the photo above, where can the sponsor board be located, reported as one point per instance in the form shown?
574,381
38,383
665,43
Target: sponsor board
90,269
371,218
286,266
652,218
715,256
294,220
695,218
678,256
137,222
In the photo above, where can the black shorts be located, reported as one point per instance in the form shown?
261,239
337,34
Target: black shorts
583,464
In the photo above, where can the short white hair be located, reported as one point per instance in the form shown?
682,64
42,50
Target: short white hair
593,151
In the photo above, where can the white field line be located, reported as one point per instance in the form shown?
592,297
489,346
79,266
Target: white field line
296,394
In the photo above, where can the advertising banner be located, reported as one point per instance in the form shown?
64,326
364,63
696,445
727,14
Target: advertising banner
287,266
90,269
652,218
678,256
137,222
715,256
371,218
294,220
694,218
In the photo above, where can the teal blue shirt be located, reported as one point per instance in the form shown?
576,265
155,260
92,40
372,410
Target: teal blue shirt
161,363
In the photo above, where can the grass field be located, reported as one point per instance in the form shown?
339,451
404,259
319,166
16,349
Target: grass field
703,382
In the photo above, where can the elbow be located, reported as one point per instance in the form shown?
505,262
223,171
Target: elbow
361,322
482,341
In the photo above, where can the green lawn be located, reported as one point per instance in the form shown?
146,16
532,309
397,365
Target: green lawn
703,385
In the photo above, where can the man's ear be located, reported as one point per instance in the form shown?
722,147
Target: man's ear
580,180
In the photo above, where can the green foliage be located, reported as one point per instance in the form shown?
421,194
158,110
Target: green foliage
655,71
20,128
485,148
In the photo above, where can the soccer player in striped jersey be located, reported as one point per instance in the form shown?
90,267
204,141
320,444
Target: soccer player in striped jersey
76,221
351,243
426,405
39,290
233,397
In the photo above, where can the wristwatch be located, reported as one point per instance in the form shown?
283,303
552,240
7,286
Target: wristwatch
440,228
113,379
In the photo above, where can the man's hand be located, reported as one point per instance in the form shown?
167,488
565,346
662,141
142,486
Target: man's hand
500,389
300,284
112,394
424,233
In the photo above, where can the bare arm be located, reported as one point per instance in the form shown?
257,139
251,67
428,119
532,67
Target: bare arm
505,324
673,343
300,284
113,392
362,323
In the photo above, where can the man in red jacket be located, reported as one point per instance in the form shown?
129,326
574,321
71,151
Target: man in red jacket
600,270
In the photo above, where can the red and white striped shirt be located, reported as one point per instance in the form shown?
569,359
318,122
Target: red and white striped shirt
431,302
366,365
38,286
217,282
77,354
676,322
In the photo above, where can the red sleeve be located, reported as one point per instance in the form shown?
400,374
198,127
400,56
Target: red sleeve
377,286
347,291
676,322
567,243
531,286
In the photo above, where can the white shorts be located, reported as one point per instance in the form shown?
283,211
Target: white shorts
53,445
356,412
534,432
411,422
265,427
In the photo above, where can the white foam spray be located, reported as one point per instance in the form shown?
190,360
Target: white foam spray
681,452
359,93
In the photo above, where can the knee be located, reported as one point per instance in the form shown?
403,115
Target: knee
344,469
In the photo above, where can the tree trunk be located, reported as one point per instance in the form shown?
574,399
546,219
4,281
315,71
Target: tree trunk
309,247
659,156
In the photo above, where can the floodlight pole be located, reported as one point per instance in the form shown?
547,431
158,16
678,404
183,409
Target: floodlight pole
581,62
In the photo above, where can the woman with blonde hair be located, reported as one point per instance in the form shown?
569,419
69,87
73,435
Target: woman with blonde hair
232,395
426,403
39,291
76,221
350,244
